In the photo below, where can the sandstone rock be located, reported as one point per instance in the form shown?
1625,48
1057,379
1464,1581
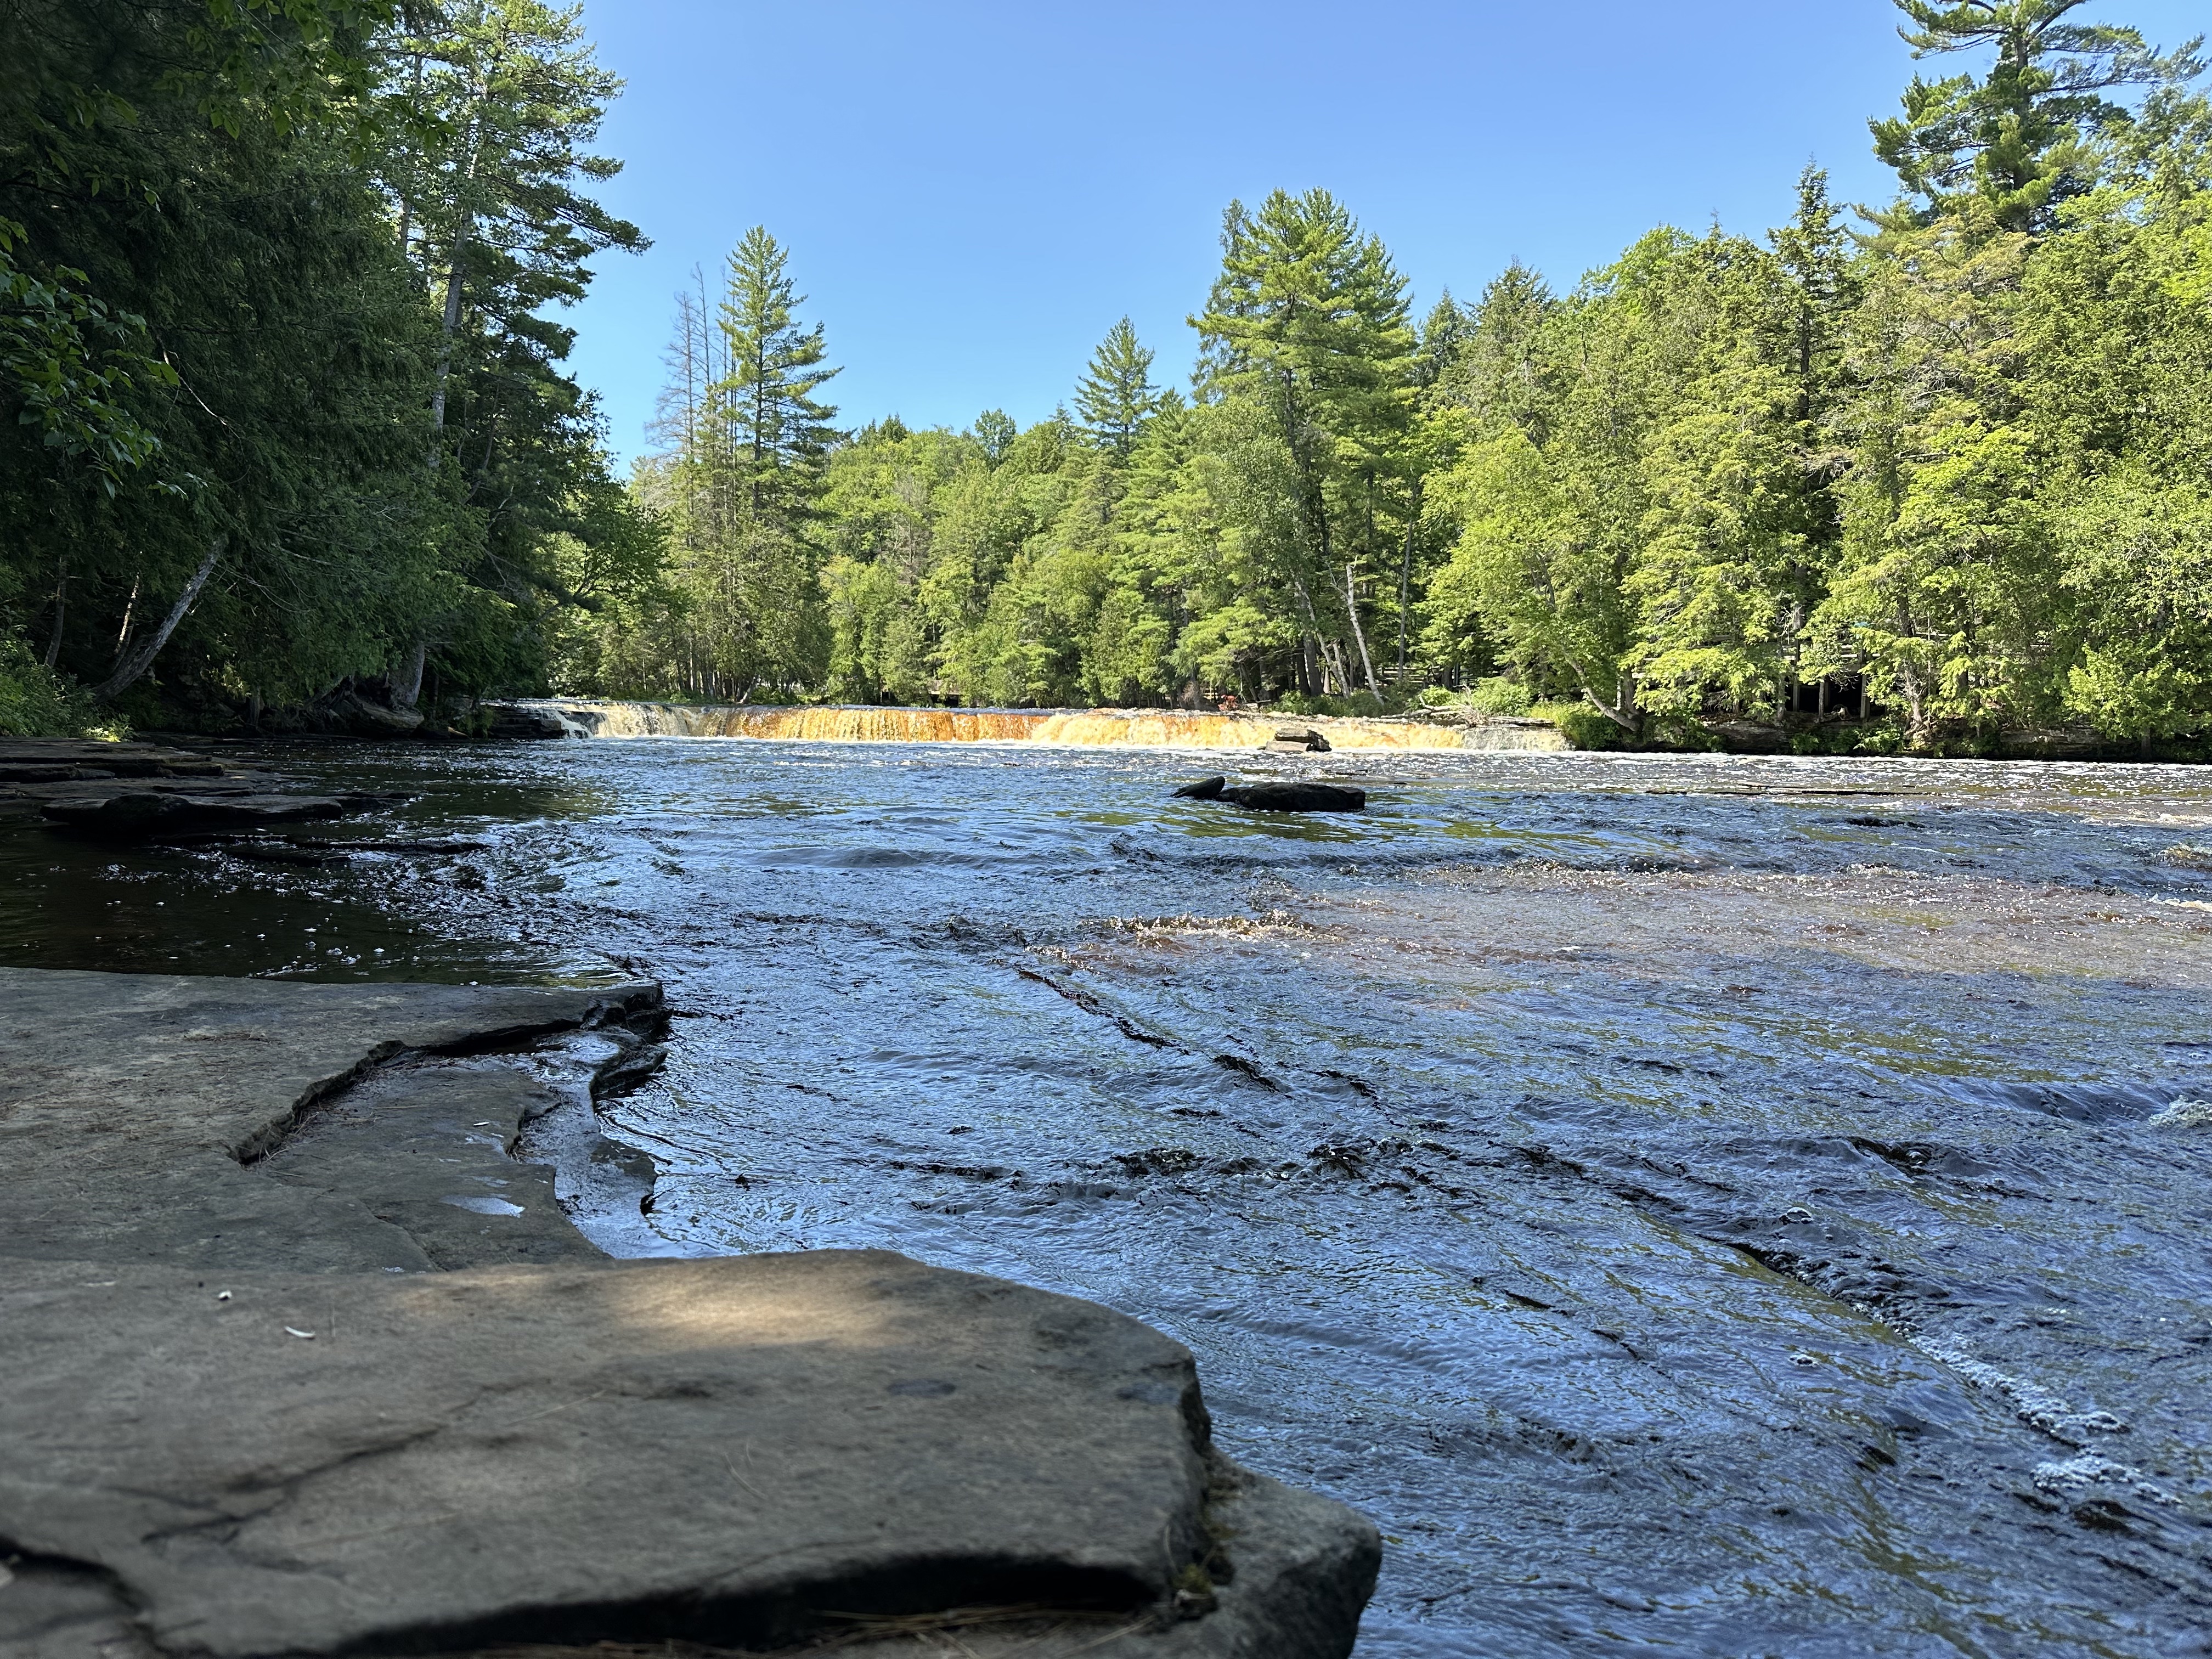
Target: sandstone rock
514,720
711,1451
119,760
1298,739
157,1118
364,717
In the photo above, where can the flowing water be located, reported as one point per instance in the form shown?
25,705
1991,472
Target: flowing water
1696,1206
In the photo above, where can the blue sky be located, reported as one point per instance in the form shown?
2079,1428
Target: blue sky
974,191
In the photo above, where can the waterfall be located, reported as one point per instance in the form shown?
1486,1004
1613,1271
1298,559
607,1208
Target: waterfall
1088,728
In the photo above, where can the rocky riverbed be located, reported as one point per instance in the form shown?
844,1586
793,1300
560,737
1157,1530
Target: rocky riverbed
1696,1205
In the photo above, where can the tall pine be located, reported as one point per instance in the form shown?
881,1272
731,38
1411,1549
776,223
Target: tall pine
1116,396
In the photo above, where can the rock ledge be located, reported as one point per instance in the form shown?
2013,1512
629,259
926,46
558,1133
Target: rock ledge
243,1412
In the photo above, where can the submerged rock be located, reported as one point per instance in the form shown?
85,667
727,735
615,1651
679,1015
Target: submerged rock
142,814
1297,796
1283,797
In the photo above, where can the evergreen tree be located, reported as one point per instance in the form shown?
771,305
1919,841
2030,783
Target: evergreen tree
743,486
770,425
1116,396
1309,318
1499,373
2022,137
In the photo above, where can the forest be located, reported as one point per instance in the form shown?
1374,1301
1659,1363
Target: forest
293,441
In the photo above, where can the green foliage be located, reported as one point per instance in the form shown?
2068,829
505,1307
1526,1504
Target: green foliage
286,408
1501,695
1920,490
35,703
2021,139
1583,727
1116,396
282,404
72,368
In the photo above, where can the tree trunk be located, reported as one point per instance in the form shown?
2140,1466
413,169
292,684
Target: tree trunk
452,322
129,617
408,686
61,616
1621,710
407,195
1333,660
134,664
463,231
1405,578
1352,604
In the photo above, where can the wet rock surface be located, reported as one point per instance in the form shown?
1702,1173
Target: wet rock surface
141,792
1296,796
213,1123
304,1355
141,814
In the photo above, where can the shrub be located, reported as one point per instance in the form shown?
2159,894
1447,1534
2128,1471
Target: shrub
1502,696
36,703
1582,725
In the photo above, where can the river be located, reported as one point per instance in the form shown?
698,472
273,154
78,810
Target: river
1696,1205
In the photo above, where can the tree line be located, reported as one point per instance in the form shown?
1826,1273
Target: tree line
1947,460
286,410
276,281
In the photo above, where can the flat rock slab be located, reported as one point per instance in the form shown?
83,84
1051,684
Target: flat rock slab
115,760
138,814
261,1395
152,1117
719,1450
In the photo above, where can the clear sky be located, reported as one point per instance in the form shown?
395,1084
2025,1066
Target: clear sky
974,191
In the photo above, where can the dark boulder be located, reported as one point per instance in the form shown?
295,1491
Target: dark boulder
1204,789
531,721
1298,798
142,815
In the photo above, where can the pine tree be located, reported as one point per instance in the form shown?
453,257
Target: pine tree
1499,372
771,426
2021,137
1116,396
1309,317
